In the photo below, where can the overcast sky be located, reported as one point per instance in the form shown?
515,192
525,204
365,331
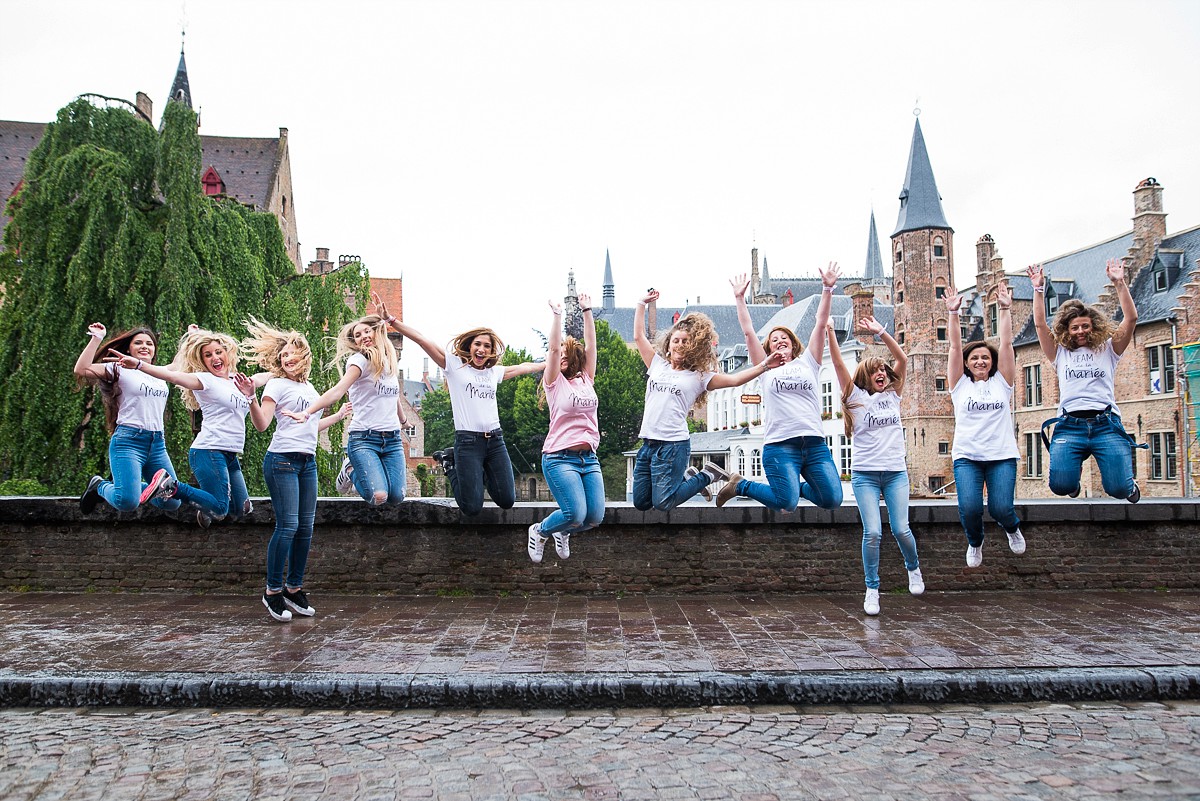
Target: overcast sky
483,149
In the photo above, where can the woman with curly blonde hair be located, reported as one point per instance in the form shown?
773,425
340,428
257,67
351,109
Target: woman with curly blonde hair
289,466
479,457
375,450
682,367
795,457
1084,346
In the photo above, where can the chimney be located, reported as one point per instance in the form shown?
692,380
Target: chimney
320,265
145,107
985,249
788,297
863,300
1149,226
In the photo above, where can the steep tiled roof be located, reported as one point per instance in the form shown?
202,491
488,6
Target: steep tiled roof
246,164
920,203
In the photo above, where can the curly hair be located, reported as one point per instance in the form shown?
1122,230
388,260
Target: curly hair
190,357
797,347
1102,326
862,379
699,354
265,344
462,346
381,359
110,389
971,347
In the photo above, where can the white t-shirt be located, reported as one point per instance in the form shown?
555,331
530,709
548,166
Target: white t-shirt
878,437
224,408
670,394
1086,378
792,400
292,436
374,398
983,428
143,399
473,394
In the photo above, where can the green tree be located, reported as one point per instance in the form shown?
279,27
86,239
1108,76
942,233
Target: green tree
438,419
621,390
112,226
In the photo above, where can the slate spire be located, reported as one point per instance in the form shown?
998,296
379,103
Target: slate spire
920,203
873,271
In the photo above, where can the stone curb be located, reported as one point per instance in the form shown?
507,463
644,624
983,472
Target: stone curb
600,690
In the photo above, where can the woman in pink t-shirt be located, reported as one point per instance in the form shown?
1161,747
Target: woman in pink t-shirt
569,460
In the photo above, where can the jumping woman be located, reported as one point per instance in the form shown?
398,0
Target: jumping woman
569,460
985,447
290,465
871,414
795,457
1084,347
473,371
682,367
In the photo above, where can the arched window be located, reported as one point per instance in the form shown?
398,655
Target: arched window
939,248
756,462
741,461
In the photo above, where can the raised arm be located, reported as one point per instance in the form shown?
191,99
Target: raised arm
553,347
723,380
899,357
433,349
1116,273
85,365
1037,277
589,336
337,417
954,363
245,385
644,345
524,368
177,377
835,355
1007,365
816,342
330,396
740,284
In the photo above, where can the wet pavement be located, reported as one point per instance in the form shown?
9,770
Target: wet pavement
223,650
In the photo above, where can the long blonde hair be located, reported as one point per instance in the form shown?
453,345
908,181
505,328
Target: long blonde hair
381,356
1102,326
862,379
462,346
264,344
190,358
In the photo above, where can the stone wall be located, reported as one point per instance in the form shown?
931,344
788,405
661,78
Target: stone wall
427,547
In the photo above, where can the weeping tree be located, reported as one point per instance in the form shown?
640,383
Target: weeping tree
111,226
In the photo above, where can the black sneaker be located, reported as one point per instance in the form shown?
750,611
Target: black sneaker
298,602
91,495
446,459
1136,495
204,520
274,604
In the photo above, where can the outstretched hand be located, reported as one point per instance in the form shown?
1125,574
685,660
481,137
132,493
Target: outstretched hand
1037,276
585,300
953,300
1115,270
872,326
244,384
829,276
740,284
97,330
1003,294
380,307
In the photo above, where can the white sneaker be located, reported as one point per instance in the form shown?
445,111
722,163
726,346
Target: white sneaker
562,544
536,543
345,479
1016,541
974,556
916,583
705,491
871,602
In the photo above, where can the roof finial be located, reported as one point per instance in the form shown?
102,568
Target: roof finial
917,107
182,24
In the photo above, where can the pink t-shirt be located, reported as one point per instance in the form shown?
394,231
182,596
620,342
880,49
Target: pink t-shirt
573,420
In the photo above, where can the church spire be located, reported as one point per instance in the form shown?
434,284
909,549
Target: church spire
180,90
873,272
920,203
610,290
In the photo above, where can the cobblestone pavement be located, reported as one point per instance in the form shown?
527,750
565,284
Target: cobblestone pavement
1079,751
62,633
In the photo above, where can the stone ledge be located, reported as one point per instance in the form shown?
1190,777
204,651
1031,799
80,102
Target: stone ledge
601,690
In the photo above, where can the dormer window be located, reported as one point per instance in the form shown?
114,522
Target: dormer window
1160,279
212,183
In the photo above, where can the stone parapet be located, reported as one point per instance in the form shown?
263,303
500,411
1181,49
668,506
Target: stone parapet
428,547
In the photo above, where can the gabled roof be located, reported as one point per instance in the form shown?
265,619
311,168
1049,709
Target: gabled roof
246,164
920,203
1177,254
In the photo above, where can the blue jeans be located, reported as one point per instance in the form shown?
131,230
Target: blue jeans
479,460
378,459
868,486
1104,438
134,456
292,481
785,463
221,479
578,487
1000,477
658,475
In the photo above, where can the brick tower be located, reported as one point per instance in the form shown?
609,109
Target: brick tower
922,270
